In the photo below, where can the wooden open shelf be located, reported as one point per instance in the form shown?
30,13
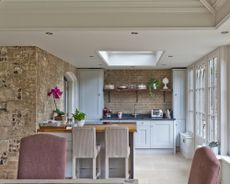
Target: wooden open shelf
164,91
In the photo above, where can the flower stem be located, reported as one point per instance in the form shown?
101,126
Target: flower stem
55,103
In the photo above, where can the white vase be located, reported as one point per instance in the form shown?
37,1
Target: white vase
81,123
215,150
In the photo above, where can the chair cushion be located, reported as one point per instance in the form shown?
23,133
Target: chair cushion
42,156
205,167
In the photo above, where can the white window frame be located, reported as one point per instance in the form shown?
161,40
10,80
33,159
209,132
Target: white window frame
190,99
223,99
73,93
200,89
214,56
202,100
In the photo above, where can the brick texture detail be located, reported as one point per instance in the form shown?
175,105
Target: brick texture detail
125,101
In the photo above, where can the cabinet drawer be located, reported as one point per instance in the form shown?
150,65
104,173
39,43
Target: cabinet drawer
143,123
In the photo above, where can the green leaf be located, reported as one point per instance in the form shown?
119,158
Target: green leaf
79,115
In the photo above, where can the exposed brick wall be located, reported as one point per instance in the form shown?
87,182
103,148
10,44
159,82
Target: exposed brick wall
124,101
26,75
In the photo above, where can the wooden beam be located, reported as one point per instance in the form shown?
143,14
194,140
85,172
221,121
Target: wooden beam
208,6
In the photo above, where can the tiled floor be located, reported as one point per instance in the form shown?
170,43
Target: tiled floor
161,168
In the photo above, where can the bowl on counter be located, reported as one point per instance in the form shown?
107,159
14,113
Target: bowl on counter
122,87
141,86
109,86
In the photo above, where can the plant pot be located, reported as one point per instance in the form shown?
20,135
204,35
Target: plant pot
215,150
59,118
79,123
154,86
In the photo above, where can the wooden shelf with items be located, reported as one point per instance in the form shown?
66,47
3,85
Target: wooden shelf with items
164,91
124,90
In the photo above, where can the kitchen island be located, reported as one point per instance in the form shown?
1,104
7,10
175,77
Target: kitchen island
117,165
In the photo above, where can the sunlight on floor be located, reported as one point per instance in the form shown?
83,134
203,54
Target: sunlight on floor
161,168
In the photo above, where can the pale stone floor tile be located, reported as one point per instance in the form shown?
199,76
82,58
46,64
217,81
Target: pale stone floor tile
161,168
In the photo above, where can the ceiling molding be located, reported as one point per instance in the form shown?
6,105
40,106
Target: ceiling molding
98,6
208,6
55,14
218,4
108,10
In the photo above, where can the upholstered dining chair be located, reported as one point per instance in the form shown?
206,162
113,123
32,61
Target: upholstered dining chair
205,167
117,146
42,156
85,147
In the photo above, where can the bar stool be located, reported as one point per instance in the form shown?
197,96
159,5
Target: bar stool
84,146
117,146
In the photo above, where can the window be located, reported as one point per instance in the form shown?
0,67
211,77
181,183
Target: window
71,93
66,95
200,101
190,124
203,90
213,99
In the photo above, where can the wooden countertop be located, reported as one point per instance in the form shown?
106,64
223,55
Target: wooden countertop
99,128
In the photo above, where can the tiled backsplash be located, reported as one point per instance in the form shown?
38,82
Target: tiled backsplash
125,101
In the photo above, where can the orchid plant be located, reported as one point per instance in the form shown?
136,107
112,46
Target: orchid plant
56,93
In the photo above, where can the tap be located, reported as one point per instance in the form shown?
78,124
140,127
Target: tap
134,111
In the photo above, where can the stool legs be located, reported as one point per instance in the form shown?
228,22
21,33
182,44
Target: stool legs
126,168
94,168
106,168
99,165
74,168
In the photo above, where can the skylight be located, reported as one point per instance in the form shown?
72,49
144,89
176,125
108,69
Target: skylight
131,58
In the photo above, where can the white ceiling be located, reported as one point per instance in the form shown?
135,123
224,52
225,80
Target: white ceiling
185,29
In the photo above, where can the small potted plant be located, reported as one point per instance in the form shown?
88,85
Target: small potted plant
153,84
214,147
79,118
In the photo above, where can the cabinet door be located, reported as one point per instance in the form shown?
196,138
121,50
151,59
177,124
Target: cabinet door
179,81
91,93
162,134
179,100
142,136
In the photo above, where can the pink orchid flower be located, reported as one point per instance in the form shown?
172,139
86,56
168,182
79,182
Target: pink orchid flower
55,92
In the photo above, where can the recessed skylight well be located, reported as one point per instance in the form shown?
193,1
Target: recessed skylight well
130,58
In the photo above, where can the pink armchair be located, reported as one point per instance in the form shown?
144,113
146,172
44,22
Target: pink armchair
42,156
205,167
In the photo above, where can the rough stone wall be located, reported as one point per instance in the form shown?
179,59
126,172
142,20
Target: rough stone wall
125,101
26,75
50,73
17,103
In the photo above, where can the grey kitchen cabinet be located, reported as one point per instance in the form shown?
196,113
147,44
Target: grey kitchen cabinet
91,99
179,101
162,134
143,134
155,134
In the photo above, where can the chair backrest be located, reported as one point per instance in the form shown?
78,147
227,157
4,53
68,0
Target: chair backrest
42,156
84,142
205,167
117,142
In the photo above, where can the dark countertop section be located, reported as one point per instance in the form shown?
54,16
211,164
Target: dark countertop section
146,117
